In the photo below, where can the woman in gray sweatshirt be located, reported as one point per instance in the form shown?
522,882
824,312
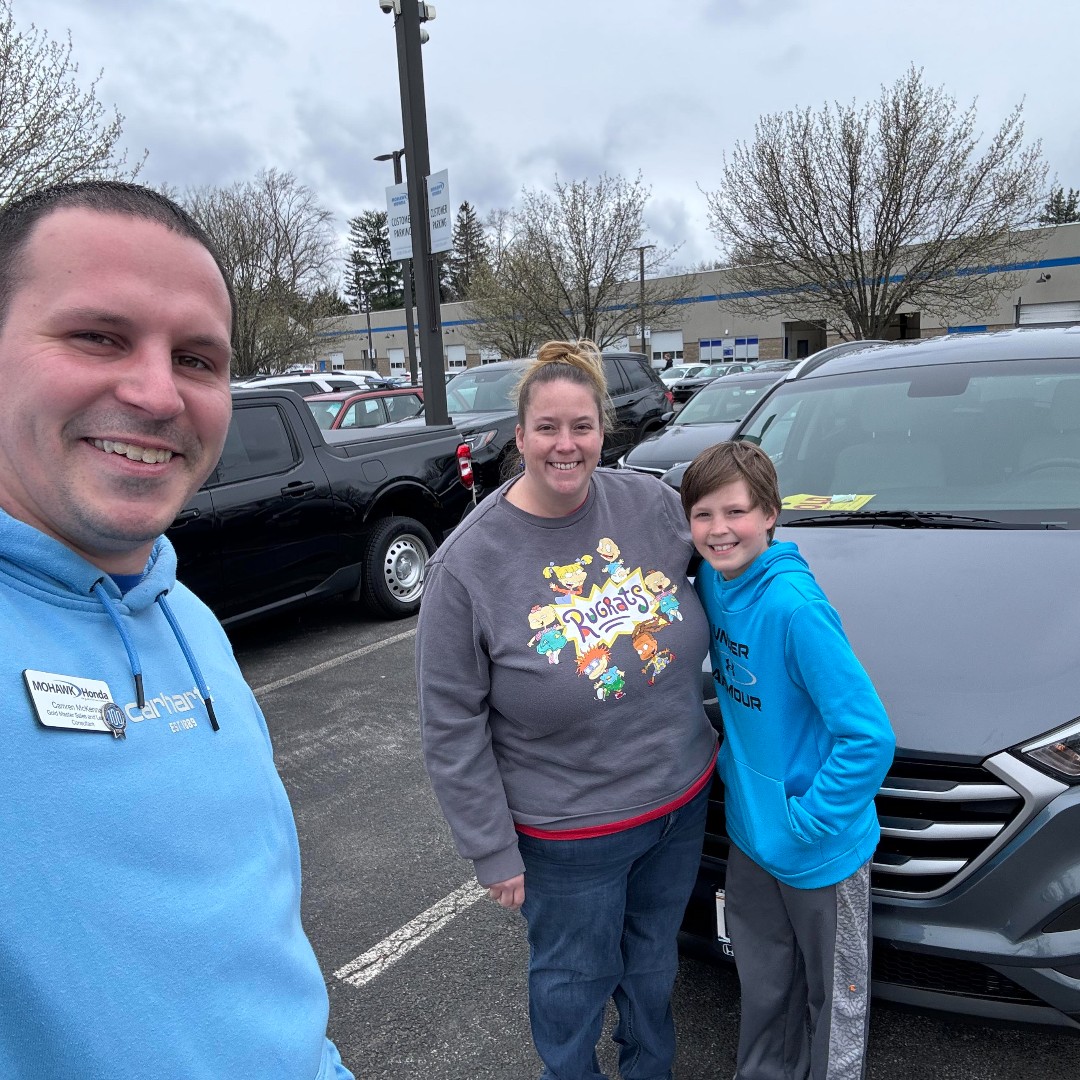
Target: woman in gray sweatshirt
559,657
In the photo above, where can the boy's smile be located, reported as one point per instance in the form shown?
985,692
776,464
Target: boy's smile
728,530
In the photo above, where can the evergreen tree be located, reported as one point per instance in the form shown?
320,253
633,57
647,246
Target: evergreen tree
1061,208
464,263
370,274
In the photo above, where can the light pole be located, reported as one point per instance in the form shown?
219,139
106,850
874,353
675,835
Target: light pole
406,275
407,17
363,300
641,249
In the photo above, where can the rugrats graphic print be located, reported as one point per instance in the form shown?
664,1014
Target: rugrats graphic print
613,618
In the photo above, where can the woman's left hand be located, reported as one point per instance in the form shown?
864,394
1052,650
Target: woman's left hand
510,894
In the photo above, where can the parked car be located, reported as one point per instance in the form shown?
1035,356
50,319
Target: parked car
683,389
776,365
830,352
349,409
710,416
293,514
934,488
479,401
680,371
323,383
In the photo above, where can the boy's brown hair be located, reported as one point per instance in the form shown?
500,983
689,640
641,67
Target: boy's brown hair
726,463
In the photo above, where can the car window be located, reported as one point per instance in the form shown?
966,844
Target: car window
258,443
639,375
482,391
616,384
324,412
718,404
994,439
303,387
367,412
402,406
682,371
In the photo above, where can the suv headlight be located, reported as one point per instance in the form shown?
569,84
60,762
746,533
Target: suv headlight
479,440
1057,753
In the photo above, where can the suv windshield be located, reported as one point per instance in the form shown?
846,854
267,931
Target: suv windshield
997,440
482,391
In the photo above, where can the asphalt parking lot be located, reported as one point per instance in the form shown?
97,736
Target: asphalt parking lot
426,976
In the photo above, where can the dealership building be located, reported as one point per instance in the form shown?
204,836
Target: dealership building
703,327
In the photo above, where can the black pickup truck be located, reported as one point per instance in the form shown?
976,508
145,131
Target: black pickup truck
292,513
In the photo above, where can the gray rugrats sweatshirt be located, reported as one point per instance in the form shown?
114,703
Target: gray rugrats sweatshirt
559,668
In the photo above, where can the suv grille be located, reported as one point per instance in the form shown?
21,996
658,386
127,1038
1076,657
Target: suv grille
938,823
945,975
937,820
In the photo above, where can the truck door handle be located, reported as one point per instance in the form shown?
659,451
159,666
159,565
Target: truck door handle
185,516
298,487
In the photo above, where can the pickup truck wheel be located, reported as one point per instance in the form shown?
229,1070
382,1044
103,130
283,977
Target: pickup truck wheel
394,567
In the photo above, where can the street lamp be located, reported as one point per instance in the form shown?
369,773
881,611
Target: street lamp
641,249
406,274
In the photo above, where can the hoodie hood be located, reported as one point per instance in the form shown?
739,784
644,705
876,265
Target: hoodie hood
45,563
777,560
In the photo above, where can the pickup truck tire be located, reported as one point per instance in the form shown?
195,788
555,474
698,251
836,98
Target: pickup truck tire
394,566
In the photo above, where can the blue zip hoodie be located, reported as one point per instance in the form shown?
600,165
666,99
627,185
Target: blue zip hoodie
806,739
149,885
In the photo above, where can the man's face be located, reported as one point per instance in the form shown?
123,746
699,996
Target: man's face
114,368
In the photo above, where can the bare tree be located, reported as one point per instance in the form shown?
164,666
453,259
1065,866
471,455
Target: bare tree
503,322
51,130
847,215
280,252
567,266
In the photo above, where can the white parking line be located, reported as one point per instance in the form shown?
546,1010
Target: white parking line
326,665
390,950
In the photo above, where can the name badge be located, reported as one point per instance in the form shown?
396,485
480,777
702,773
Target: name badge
66,701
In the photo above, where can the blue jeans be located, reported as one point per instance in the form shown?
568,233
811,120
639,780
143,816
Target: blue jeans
603,915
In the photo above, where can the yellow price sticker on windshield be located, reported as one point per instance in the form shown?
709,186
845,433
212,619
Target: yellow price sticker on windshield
825,502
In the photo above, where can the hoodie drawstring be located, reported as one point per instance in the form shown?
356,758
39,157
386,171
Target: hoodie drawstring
129,647
133,657
189,656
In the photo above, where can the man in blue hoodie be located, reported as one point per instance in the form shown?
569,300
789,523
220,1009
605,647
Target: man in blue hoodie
806,747
149,868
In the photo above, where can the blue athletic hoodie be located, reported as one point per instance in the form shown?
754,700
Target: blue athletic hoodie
150,884
806,739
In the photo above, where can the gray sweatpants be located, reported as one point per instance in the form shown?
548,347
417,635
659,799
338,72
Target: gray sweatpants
803,957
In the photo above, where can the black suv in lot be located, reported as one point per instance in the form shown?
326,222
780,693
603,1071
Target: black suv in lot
480,404
934,488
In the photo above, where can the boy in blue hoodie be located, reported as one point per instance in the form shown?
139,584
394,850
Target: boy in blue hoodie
806,747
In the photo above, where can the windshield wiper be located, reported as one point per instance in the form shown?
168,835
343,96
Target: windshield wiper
916,519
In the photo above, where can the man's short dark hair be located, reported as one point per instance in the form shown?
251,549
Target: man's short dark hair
725,463
18,218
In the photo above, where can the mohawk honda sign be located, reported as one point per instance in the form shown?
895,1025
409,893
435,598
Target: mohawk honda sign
397,222
440,223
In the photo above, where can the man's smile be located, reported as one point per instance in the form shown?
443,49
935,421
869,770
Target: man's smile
149,455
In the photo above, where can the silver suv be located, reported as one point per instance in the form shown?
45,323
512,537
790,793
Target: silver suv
934,488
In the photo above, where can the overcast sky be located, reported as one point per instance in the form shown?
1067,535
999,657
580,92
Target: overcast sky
520,92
